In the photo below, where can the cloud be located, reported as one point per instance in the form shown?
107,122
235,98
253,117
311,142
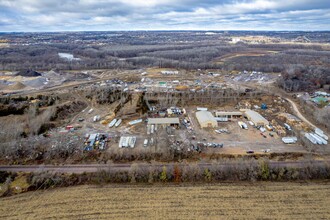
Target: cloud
61,15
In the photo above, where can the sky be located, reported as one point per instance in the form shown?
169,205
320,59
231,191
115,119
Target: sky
112,15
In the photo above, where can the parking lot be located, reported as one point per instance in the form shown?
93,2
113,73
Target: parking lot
238,140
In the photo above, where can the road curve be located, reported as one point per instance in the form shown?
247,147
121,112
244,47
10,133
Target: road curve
92,168
292,103
298,113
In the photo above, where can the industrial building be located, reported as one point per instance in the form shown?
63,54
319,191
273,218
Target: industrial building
255,117
225,116
164,121
206,119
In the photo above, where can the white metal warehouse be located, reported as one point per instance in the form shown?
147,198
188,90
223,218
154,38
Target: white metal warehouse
206,119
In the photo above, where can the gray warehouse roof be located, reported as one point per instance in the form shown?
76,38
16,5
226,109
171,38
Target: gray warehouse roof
255,117
204,116
157,121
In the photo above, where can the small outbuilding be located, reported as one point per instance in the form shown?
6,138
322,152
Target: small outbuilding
206,119
164,121
228,115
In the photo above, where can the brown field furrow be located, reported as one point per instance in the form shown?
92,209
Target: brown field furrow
219,201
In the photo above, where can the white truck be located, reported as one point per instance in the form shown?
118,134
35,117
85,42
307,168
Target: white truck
145,143
96,118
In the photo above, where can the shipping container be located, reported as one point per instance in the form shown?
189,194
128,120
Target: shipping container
201,109
112,123
318,139
320,133
289,140
118,123
135,122
310,138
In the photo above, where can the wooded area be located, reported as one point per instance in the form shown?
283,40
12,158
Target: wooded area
303,66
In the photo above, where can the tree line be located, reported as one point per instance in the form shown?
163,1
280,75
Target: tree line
234,170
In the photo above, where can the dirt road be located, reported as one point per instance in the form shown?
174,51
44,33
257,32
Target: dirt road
292,103
298,113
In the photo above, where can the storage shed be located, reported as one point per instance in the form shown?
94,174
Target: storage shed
228,115
206,119
164,121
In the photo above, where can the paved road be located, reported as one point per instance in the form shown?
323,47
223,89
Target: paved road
90,168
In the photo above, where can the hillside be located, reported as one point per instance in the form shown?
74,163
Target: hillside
28,73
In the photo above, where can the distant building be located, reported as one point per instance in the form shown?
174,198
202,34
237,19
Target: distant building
320,99
206,119
319,93
168,72
162,84
235,40
255,117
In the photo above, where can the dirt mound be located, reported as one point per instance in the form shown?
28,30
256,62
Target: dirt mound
28,73
36,82
108,118
182,88
16,86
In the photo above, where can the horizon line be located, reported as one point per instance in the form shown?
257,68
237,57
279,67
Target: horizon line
157,30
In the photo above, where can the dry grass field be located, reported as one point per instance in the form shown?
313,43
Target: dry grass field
255,53
260,200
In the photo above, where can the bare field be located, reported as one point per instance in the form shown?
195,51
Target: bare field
245,54
260,200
